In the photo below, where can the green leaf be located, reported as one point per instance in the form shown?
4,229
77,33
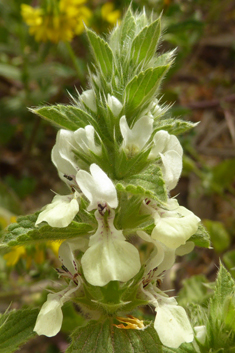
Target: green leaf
102,53
174,126
149,184
25,232
103,337
229,260
152,180
145,43
16,328
201,237
193,291
142,88
219,236
225,286
127,27
65,116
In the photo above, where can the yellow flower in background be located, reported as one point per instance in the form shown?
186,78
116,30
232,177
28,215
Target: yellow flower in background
109,14
14,255
38,253
60,22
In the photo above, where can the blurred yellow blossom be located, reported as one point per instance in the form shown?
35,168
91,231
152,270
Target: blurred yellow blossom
109,14
60,22
14,255
38,253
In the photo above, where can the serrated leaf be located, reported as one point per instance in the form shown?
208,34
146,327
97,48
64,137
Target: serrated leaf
193,291
151,179
65,116
142,88
24,231
225,286
102,53
99,337
145,43
16,327
127,28
174,126
201,237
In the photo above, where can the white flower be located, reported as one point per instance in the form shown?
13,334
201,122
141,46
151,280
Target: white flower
172,323
61,211
200,333
161,257
173,228
168,148
84,140
97,187
136,138
64,152
50,317
89,99
115,105
63,157
66,254
109,256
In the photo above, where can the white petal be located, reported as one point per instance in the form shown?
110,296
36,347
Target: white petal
174,145
157,255
60,212
200,333
160,140
139,135
112,260
174,231
85,140
115,105
97,187
89,99
110,257
66,254
172,325
164,142
50,317
62,156
172,168
185,249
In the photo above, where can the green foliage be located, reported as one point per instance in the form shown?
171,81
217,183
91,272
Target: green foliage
24,231
114,298
102,53
67,117
142,89
194,291
201,237
145,43
229,260
219,236
173,125
103,337
16,327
